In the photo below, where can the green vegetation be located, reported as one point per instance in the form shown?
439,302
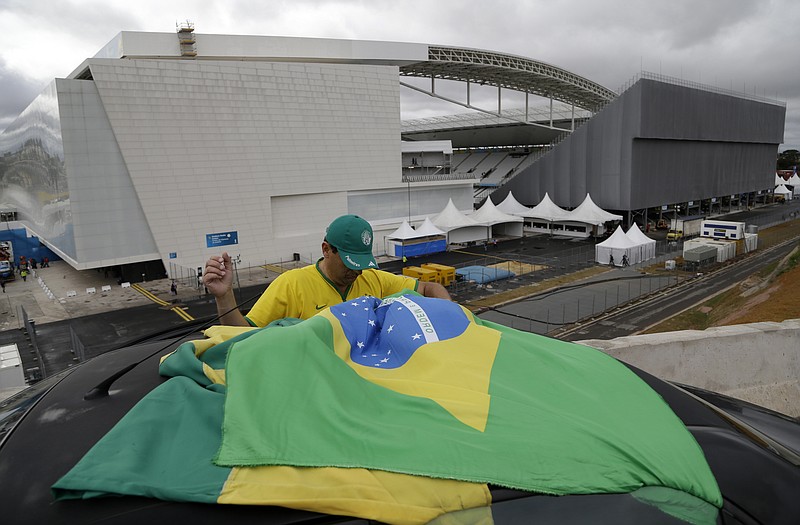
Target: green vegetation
788,159
793,261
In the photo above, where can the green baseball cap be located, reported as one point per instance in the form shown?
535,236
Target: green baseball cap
352,237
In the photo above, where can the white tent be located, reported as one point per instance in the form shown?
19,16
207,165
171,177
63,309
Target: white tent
405,241
427,229
591,213
498,222
405,231
616,246
794,181
511,206
644,244
458,226
548,211
783,190
541,217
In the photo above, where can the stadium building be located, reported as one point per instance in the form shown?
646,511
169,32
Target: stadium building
166,148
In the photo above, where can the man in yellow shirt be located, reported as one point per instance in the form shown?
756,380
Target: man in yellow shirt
346,270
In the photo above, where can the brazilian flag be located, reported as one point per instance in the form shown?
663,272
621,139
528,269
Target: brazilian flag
397,409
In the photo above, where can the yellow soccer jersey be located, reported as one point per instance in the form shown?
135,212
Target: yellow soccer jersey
303,292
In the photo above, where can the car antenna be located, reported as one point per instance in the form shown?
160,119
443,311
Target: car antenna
102,388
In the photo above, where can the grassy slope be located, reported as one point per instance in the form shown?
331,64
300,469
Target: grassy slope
777,299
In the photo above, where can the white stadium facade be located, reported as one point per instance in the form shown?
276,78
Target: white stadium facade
166,148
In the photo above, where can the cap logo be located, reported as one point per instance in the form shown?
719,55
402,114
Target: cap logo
351,261
366,237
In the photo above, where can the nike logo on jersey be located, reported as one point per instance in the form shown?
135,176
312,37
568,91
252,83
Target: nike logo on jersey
320,307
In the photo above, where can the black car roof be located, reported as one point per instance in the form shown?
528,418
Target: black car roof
63,426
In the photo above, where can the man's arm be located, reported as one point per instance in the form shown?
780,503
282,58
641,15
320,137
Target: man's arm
219,280
430,289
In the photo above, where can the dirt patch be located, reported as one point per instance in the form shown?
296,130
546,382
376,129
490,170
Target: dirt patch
777,301
780,301
518,268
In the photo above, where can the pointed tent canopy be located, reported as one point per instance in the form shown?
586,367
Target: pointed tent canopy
618,240
451,218
782,190
511,206
779,180
636,235
794,182
427,229
616,246
405,231
591,213
489,215
644,245
548,211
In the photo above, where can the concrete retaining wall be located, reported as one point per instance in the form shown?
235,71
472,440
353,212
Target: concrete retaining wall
758,362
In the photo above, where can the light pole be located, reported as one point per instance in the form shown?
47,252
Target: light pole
408,184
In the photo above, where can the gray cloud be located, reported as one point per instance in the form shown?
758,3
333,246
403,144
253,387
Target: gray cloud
733,44
18,92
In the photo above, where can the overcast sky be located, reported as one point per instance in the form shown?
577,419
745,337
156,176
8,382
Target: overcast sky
745,45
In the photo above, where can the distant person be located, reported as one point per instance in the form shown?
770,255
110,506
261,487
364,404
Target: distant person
24,274
173,289
3,285
46,263
345,271
611,260
625,260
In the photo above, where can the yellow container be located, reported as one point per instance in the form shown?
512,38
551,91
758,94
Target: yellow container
423,274
447,274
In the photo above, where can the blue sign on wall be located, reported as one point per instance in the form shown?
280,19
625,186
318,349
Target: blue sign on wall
173,255
221,239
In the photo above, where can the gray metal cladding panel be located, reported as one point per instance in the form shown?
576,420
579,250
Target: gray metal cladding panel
659,143
668,171
679,112
578,186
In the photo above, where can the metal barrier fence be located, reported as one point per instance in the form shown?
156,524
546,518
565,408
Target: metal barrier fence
248,270
544,267
550,311
35,373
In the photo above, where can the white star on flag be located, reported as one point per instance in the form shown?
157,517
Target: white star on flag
354,304
416,336
344,314
391,327
360,344
371,322
385,360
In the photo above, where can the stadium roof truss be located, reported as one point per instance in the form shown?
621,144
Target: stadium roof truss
509,72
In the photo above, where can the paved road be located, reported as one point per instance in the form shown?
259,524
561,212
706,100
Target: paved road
639,316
